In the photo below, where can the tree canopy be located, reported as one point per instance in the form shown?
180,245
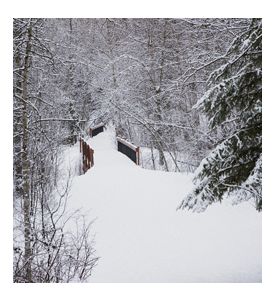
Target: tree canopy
233,104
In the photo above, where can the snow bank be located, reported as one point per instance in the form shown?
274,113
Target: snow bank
140,236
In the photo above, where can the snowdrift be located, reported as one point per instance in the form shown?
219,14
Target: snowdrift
140,236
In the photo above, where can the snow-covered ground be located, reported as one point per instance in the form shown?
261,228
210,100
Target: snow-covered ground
140,236
183,160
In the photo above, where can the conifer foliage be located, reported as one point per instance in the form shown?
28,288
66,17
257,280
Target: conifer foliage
234,107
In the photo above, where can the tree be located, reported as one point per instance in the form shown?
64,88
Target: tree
234,107
159,77
45,250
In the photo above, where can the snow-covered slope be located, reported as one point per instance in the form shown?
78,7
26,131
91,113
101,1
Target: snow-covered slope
140,236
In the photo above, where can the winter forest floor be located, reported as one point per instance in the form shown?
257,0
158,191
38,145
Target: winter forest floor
141,237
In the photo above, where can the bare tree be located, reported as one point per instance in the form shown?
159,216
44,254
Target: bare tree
39,211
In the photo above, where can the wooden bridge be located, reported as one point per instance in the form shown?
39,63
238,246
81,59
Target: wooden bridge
123,146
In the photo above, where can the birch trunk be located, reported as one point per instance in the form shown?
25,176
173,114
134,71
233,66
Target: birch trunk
25,161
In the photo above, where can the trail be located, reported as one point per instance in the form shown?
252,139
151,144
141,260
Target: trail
140,236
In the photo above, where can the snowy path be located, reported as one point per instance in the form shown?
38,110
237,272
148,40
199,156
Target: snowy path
140,236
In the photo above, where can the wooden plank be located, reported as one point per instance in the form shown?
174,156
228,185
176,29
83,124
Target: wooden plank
138,155
128,144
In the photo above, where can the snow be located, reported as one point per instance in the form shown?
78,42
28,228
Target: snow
183,161
141,237
130,145
97,126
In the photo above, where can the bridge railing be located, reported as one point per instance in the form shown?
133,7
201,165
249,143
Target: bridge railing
87,155
93,131
130,150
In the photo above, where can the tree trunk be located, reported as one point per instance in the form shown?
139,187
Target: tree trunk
26,163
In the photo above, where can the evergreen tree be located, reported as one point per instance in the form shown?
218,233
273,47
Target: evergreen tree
234,107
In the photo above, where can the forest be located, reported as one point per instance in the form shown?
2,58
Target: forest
188,92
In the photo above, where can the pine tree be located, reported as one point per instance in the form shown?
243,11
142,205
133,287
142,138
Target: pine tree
234,107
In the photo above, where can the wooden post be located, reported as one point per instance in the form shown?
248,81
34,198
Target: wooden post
89,157
84,157
92,157
137,156
91,132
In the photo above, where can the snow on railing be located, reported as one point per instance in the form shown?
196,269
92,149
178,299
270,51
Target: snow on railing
87,155
130,150
123,146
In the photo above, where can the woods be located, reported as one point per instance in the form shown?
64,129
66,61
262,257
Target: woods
190,90
234,108
45,250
